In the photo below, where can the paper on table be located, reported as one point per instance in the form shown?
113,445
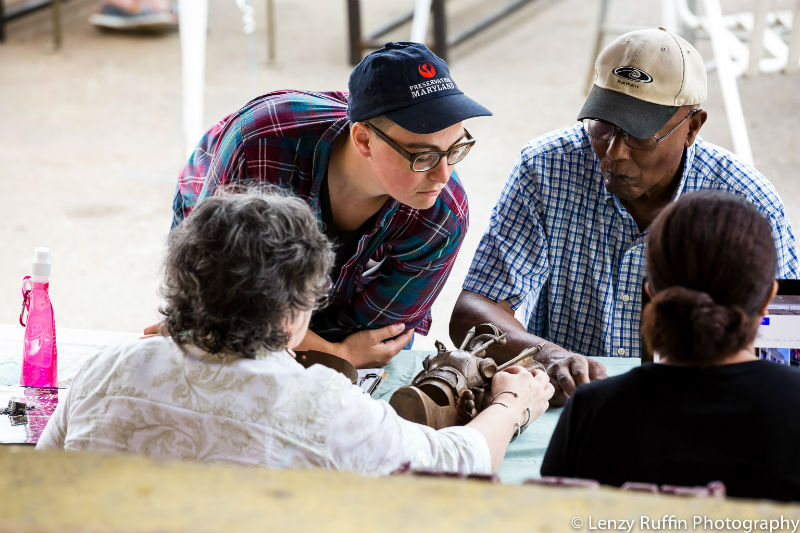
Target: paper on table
369,379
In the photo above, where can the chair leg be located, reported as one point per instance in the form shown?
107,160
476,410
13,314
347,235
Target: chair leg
57,35
793,53
439,29
419,24
270,30
757,38
354,30
2,21
598,43
727,80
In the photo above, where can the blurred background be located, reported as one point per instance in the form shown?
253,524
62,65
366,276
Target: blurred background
91,133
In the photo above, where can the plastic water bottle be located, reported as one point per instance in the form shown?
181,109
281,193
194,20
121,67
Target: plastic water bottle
39,362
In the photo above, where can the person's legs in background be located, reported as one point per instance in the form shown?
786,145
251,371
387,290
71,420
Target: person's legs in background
136,15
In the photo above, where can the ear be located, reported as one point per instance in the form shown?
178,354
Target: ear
361,137
769,299
648,289
696,122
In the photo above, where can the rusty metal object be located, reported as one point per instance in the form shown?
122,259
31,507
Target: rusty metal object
455,385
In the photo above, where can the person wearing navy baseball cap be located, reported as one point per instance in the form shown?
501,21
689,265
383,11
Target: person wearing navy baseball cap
412,87
377,167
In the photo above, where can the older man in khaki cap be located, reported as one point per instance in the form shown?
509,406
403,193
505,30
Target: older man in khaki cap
565,246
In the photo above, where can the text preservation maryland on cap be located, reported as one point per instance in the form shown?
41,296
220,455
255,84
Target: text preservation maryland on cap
642,78
410,85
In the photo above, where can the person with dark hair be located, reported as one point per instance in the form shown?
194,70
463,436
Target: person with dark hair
377,167
708,409
243,274
562,261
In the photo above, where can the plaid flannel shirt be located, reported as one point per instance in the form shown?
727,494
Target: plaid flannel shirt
285,138
564,252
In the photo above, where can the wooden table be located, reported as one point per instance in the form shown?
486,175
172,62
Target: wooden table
523,457
100,492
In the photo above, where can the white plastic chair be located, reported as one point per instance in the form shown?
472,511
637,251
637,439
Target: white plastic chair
193,26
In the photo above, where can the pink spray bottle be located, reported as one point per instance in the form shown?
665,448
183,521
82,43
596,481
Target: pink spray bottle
39,350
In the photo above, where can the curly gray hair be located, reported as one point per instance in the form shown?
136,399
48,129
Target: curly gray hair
240,268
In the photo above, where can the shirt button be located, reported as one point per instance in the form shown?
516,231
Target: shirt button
626,298
620,351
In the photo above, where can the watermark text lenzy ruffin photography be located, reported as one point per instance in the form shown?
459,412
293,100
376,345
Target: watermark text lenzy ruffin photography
694,523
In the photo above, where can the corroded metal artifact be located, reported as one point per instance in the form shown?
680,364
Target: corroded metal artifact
455,385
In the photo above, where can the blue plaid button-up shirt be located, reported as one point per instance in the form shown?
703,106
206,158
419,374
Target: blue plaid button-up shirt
565,254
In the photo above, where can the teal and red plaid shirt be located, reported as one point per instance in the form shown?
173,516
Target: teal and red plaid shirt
285,138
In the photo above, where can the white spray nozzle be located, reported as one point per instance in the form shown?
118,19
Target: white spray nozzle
41,264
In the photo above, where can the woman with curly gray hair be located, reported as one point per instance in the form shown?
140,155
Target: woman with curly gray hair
240,269
243,274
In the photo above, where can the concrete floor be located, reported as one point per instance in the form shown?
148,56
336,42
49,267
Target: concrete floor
91,134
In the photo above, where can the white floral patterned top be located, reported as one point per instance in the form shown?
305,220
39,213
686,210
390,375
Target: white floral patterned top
154,398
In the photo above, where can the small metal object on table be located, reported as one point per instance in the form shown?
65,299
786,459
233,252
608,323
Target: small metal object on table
27,412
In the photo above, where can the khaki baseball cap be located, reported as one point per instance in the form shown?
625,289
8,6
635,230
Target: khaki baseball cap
642,78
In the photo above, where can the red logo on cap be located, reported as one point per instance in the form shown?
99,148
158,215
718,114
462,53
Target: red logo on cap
427,70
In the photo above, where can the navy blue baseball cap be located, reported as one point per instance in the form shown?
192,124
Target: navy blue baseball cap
411,86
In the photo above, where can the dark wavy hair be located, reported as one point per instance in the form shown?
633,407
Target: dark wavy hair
711,261
241,266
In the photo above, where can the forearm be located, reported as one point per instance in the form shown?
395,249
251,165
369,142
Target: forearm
312,341
363,349
497,425
472,309
372,438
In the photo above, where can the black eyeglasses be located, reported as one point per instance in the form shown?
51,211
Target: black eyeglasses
422,161
605,131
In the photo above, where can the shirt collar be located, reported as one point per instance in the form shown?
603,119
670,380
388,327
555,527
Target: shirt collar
688,163
322,157
190,350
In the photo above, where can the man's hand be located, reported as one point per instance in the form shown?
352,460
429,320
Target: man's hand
567,370
373,347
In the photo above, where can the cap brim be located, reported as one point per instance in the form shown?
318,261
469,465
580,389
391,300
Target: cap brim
637,117
436,114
